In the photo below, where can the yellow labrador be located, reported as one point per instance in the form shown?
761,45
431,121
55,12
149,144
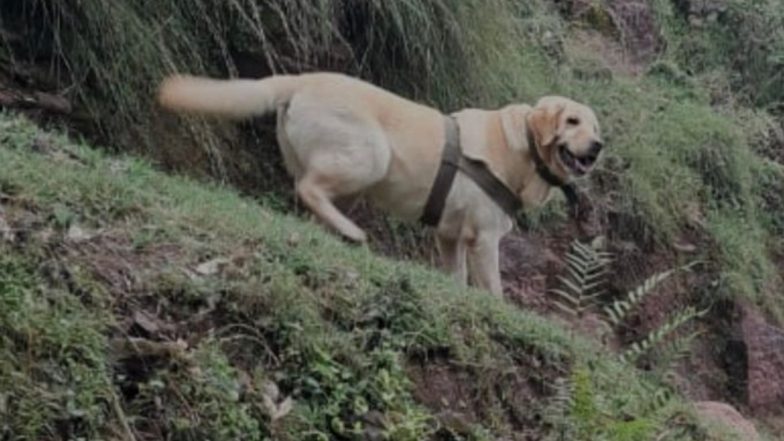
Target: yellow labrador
341,136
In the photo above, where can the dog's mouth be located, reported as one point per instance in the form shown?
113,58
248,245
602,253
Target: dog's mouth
578,165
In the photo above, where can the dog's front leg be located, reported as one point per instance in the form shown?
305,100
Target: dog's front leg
483,263
453,257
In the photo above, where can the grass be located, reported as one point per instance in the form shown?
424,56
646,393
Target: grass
689,156
112,56
684,157
109,58
123,329
748,59
677,164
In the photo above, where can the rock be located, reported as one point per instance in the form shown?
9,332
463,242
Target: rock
152,324
273,406
456,422
684,245
212,267
42,100
717,413
77,234
764,361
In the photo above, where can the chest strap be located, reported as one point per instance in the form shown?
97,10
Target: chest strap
452,160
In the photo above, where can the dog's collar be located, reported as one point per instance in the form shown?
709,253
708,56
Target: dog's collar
544,172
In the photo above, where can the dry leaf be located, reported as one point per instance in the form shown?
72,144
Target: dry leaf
77,234
212,267
146,322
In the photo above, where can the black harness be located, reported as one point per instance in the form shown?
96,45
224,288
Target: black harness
453,159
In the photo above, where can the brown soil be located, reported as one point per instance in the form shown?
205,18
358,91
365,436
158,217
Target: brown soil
459,399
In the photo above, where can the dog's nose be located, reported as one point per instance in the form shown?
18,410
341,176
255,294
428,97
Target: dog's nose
596,147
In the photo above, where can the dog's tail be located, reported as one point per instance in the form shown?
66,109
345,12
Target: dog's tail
237,98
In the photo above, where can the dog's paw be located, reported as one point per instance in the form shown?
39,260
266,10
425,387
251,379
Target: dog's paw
355,236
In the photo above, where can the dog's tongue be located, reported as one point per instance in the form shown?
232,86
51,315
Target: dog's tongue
581,165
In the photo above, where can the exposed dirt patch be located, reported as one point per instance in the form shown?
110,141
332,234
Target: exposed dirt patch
613,57
459,400
639,30
765,361
624,32
530,263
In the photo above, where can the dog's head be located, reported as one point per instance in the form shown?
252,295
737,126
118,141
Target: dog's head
566,134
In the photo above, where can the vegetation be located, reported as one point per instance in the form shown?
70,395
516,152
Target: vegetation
248,326
133,305
683,164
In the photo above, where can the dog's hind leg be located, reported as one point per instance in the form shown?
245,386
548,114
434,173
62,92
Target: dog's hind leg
316,192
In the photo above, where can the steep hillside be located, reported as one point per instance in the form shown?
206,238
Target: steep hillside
141,306
149,306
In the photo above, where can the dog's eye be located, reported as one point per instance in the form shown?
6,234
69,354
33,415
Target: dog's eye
572,121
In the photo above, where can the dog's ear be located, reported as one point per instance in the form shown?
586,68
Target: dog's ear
513,122
543,120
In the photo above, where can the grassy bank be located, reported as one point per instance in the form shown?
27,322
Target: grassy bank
686,159
135,306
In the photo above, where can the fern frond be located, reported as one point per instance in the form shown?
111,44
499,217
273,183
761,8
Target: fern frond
559,407
577,290
619,309
584,279
668,356
659,334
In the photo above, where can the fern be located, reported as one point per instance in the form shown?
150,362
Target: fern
584,281
577,412
672,353
560,406
621,308
574,411
659,334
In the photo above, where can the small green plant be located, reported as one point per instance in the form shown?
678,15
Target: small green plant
579,413
658,335
346,395
619,309
582,288
584,281
587,269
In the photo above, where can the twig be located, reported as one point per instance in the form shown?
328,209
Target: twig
121,416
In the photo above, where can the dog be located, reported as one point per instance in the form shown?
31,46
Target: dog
344,137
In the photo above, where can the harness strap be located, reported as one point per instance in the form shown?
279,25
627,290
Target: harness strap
498,191
447,170
452,160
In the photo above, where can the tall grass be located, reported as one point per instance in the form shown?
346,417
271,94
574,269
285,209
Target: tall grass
110,56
